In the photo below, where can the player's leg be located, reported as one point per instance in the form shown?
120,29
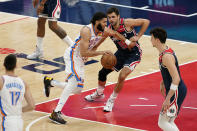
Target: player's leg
50,82
60,32
98,94
130,61
102,77
56,114
122,76
54,15
75,80
40,35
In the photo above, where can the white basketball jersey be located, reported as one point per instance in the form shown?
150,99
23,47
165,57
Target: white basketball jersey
11,96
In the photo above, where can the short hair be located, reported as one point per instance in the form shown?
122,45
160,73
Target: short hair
113,9
10,62
98,16
159,33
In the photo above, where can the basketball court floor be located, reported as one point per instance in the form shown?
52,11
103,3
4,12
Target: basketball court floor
138,105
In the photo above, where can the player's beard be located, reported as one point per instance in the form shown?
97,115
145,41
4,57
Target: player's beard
114,23
99,27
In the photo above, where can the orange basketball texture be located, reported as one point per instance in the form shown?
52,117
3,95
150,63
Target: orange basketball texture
108,61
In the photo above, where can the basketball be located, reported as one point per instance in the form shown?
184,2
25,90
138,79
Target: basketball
108,61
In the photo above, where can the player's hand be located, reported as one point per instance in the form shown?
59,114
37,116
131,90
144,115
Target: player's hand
108,52
108,32
85,59
35,3
166,105
131,45
134,38
40,9
162,89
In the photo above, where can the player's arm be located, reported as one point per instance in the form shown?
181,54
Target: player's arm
143,23
169,61
131,23
29,99
1,82
84,44
99,43
109,32
162,88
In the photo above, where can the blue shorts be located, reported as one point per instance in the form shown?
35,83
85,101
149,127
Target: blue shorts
177,99
52,10
129,60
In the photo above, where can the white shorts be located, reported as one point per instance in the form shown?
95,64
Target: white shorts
12,123
74,66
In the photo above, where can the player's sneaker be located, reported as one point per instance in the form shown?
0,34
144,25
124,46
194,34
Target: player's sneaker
36,55
47,85
109,105
57,118
94,97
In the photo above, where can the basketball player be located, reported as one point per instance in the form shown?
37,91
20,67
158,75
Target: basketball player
73,57
128,54
172,86
12,91
48,9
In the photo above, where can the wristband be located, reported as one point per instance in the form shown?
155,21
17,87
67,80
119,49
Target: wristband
173,87
128,42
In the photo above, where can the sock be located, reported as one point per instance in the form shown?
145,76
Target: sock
113,96
72,83
39,43
100,89
68,40
58,84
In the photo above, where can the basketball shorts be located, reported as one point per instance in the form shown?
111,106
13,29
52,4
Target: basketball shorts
52,10
74,66
129,60
12,123
177,100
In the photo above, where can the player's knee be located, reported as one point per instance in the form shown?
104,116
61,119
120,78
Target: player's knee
41,22
103,74
52,26
122,76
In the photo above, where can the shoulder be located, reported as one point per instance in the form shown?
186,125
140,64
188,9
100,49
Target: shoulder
85,31
167,59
